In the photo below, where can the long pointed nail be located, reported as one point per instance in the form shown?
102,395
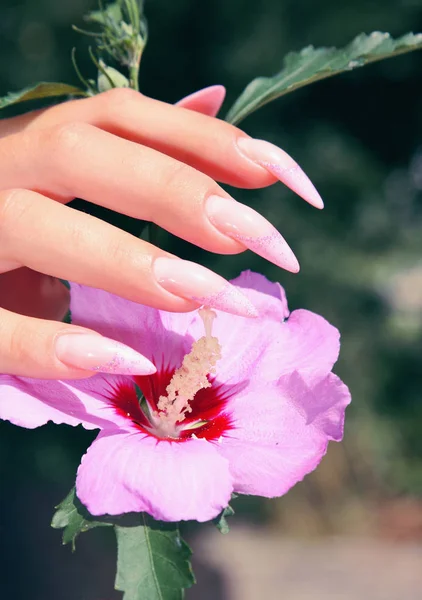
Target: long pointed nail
250,229
207,101
194,282
282,166
97,353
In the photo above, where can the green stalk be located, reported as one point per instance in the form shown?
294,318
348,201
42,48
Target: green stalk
134,74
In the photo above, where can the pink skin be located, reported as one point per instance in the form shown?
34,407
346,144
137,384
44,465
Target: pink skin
169,161
272,408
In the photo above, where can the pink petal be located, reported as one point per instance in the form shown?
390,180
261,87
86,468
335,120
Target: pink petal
270,345
266,349
305,342
268,297
151,332
31,403
124,472
207,101
281,432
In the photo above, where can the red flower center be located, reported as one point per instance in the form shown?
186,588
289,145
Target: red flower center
208,419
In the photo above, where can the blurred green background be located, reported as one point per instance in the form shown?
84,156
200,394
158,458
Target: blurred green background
358,136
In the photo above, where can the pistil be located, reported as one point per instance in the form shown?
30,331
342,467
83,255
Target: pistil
187,380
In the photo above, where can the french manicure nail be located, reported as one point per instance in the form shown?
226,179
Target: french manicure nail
250,229
97,353
282,166
191,281
207,101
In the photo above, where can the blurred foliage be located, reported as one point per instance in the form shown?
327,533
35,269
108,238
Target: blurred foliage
358,136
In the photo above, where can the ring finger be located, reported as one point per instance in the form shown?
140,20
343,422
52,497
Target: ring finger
92,252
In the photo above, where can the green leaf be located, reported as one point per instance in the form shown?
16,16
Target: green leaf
152,561
73,518
221,521
41,90
312,64
67,318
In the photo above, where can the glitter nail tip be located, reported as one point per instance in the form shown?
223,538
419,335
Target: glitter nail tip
191,281
282,166
273,248
125,361
228,299
93,352
252,230
296,180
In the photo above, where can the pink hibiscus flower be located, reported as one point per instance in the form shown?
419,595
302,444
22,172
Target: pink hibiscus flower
249,407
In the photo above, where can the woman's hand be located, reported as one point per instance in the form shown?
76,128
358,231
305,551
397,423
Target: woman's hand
142,158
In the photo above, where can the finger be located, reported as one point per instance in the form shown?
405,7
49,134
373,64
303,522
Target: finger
71,245
82,161
48,297
207,101
212,146
32,347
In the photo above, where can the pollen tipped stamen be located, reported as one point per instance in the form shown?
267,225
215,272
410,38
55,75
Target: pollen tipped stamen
187,380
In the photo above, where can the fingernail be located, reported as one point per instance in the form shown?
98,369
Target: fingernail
97,353
207,101
250,229
282,166
191,281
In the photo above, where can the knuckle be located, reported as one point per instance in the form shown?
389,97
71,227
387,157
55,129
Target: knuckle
119,99
61,144
65,138
14,205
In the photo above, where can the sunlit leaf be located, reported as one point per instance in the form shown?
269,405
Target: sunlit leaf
312,64
40,90
152,561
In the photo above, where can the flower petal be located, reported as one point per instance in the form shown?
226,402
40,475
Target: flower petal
305,342
31,403
172,481
272,344
265,349
284,435
268,297
158,335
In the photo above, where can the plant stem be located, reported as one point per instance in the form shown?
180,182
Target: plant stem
134,76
